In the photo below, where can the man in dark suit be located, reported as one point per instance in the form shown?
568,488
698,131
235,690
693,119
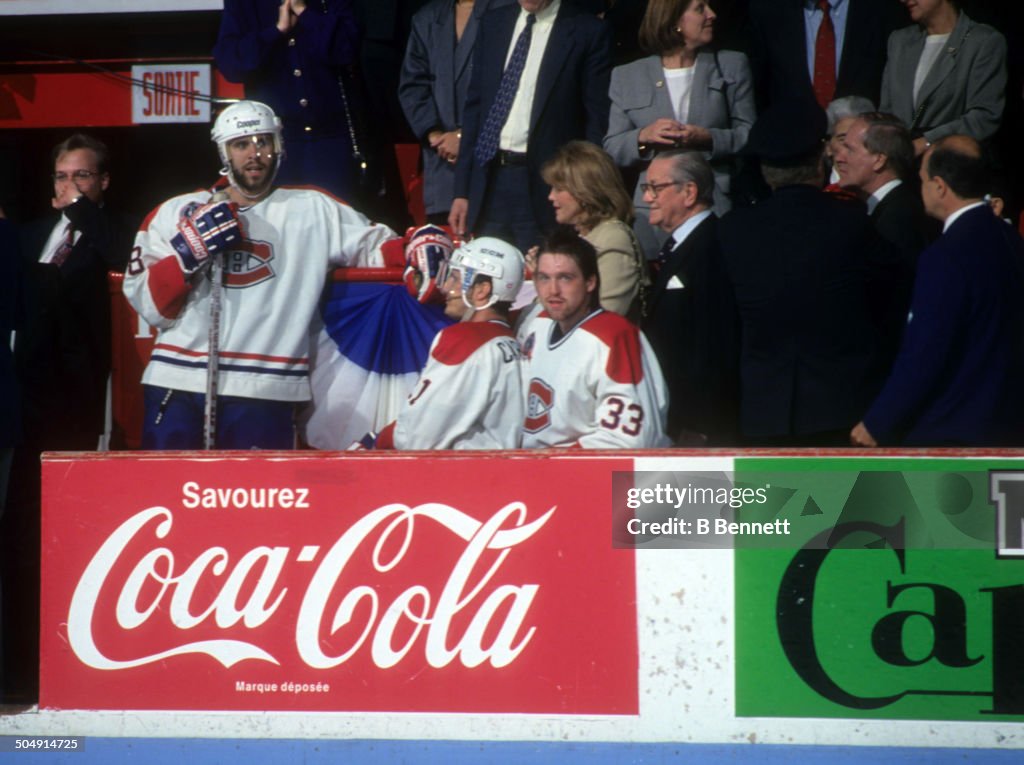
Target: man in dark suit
62,360
875,160
692,322
798,265
550,64
63,354
783,36
960,372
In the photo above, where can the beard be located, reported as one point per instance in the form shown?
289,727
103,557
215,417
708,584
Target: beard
259,186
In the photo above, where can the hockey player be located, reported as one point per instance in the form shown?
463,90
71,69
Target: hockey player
469,395
276,246
593,380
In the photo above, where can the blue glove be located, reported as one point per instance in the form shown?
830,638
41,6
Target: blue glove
209,230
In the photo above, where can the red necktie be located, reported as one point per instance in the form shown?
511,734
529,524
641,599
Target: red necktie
65,247
825,58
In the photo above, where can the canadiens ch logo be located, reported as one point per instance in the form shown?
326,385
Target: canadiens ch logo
539,400
248,264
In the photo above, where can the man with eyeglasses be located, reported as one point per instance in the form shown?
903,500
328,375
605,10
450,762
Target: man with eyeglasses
62,359
691,312
63,353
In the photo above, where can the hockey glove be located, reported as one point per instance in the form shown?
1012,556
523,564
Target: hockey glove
209,230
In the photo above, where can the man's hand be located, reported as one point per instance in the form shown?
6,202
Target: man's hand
68,193
445,144
860,436
458,216
210,230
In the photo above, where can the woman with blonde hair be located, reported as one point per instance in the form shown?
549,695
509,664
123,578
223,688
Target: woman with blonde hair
588,194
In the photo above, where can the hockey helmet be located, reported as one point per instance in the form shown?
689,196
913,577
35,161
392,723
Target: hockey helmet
488,256
247,118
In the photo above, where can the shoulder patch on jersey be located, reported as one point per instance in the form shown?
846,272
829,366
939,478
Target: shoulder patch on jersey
625,354
459,341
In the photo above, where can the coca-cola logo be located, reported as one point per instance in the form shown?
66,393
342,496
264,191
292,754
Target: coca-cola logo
135,577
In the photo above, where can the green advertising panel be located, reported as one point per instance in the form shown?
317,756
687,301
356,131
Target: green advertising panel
898,594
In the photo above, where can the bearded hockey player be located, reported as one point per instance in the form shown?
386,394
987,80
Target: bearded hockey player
230,277
593,380
469,395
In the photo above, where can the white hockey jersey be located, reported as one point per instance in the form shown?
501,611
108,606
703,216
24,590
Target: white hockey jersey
597,387
469,395
272,285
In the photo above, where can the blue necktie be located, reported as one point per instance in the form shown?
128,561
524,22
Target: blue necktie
487,143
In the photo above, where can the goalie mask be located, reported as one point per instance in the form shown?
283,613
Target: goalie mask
426,249
487,256
257,122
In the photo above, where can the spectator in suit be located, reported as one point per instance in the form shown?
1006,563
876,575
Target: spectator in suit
62,360
798,263
587,194
960,371
945,74
823,49
65,345
550,63
876,162
692,323
684,95
435,78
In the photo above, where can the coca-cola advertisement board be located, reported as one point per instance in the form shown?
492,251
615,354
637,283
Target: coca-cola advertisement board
435,583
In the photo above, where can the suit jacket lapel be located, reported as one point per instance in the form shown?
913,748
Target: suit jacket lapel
793,28
946,61
444,29
699,93
656,80
858,27
560,44
464,47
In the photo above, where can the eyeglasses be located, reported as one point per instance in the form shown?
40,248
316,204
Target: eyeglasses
78,175
655,188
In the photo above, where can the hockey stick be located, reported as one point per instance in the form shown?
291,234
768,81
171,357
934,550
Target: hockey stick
213,342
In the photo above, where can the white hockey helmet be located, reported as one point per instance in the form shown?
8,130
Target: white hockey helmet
247,118
488,256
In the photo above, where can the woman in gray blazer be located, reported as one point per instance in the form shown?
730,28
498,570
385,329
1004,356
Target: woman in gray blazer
945,74
682,96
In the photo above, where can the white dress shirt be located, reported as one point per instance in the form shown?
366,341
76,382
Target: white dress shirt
515,134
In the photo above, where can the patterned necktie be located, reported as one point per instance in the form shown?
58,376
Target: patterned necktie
65,247
487,143
663,253
825,57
